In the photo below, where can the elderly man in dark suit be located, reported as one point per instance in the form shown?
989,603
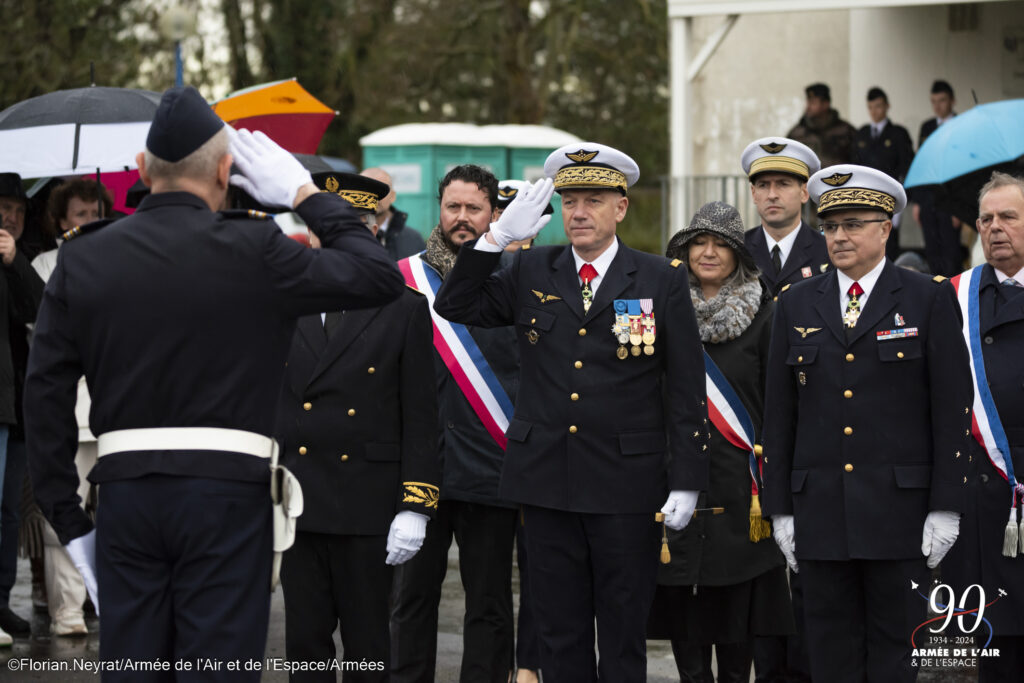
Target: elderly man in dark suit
862,495
610,416
358,426
987,552
785,249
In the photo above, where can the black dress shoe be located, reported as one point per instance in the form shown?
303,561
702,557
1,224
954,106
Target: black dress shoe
13,624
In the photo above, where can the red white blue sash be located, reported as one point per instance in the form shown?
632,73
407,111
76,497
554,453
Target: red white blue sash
730,417
985,423
461,355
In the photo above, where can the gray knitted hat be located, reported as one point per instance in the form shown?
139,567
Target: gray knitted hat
718,219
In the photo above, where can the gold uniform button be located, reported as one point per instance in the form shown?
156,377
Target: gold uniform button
307,406
849,358
302,450
574,396
848,467
370,371
899,354
848,430
582,332
533,320
351,412
578,364
847,394
799,359
344,457
572,429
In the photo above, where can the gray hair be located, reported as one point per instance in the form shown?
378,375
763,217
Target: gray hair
1000,180
199,165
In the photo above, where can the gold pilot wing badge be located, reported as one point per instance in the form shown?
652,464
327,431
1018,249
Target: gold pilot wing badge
837,179
545,298
581,157
804,331
773,147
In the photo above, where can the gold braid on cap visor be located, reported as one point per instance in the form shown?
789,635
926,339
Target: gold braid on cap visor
855,197
780,164
360,200
590,176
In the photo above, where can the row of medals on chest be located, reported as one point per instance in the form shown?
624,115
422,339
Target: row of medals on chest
634,325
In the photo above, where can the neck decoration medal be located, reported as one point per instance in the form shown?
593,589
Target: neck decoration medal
588,296
621,328
635,325
852,312
649,330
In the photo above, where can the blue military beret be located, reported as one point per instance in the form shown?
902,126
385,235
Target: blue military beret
182,123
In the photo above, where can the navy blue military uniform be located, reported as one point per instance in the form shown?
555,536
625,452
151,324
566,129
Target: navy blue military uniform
859,476
593,435
977,556
182,317
357,426
807,258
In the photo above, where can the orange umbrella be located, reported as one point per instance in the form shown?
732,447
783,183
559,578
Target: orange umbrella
283,110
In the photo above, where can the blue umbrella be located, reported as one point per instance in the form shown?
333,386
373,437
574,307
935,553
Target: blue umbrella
985,136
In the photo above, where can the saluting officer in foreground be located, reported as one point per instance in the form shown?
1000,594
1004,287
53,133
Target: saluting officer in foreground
610,415
785,249
860,492
181,318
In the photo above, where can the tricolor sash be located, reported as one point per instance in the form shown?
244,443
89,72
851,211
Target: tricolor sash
461,355
730,417
986,426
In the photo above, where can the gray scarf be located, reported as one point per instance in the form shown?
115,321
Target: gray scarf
729,313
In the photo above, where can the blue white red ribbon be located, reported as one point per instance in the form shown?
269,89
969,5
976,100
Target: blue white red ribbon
462,356
730,417
985,423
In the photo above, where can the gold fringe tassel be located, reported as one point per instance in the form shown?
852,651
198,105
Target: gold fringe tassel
759,527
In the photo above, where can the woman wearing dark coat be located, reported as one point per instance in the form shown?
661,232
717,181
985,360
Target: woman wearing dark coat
726,580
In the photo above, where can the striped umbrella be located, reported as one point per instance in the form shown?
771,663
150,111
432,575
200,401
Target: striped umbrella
70,132
284,110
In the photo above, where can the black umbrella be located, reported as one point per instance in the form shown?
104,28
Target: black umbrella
70,132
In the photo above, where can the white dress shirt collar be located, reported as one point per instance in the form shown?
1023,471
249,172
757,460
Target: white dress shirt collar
1002,277
867,283
785,244
601,264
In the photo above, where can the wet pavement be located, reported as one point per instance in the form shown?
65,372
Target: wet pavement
42,648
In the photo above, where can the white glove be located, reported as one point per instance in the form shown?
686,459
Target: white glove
408,529
782,529
524,217
269,173
679,507
940,531
83,554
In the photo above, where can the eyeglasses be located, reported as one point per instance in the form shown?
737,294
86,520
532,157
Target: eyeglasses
854,225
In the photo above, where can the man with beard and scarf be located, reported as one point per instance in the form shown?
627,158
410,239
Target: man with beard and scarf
477,374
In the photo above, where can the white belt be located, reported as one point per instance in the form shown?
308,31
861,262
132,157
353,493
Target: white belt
186,439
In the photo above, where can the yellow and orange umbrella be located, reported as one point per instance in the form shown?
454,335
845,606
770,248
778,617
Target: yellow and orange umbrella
284,110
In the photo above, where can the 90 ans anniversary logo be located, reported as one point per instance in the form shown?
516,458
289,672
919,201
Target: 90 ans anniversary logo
959,649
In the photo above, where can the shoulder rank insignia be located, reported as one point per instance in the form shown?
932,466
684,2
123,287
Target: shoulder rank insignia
938,278
824,267
581,157
93,226
784,289
246,213
804,331
773,147
526,246
675,263
837,179
545,298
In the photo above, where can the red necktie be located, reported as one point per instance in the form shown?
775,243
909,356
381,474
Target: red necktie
587,274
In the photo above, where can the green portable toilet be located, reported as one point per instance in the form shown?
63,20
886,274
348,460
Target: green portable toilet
418,155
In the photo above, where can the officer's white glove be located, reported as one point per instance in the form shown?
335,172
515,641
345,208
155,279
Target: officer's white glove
679,508
782,529
269,173
83,554
524,217
940,531
408,529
